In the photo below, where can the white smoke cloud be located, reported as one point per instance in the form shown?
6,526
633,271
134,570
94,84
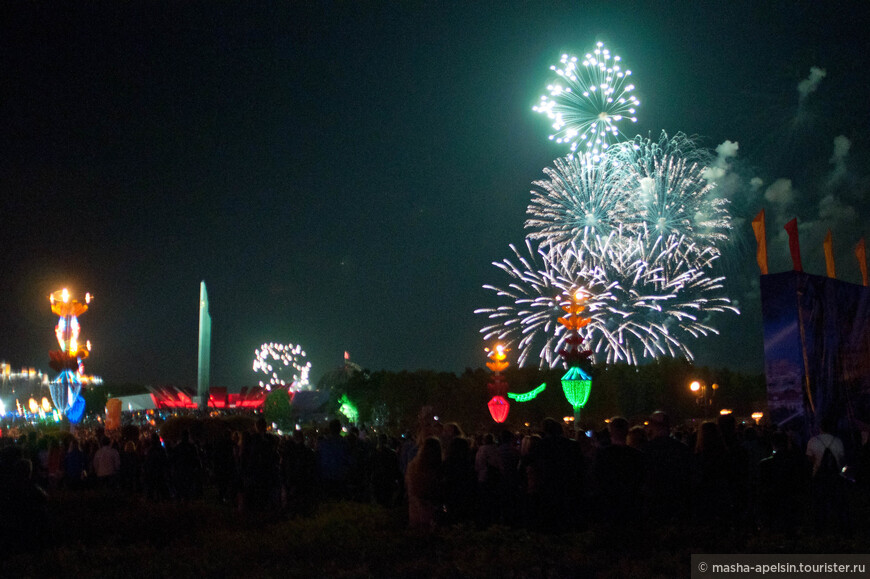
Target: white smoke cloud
720,167
834,212
713,173
841,148
727,150
755,183
780,192
838,160
811,83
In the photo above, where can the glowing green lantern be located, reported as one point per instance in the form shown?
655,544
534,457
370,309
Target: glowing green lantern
348,408
576,384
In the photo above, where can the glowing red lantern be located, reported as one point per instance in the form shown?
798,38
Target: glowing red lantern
499,408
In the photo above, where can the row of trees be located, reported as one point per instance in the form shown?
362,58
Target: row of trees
396,398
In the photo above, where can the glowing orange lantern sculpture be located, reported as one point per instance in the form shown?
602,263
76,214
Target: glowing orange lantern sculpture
113,414
498,404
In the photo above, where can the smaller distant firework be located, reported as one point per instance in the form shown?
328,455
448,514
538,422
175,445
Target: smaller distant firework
588,101
284,364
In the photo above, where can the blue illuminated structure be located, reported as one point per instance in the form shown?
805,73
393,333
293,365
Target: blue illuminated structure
68,361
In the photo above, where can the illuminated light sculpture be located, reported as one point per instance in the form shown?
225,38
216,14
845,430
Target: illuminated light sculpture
498,408
576,384
69,360
498,404
526,396
348,408
113,414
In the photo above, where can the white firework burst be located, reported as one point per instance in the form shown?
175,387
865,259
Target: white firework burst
644,300
669,194
284,364
588,101
579,198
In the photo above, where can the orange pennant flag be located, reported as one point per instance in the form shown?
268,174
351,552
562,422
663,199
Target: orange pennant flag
761,240
829,255
794,246
861,254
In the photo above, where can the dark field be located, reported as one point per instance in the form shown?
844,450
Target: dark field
112,534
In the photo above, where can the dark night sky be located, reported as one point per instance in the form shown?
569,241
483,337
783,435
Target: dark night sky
342,174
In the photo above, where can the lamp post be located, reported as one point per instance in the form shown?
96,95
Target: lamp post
703,394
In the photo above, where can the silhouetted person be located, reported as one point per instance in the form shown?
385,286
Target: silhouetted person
487,464
300,476
460,482
333,461
558,464
259,468
130,467
107,463
186,468
711,476
509,478
667,481
55,463
826,455
75,466
25,504
385,473
357,479
224,465
738,468
423,483
781,479
156,470
619,473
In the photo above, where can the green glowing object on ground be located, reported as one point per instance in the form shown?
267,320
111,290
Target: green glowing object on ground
348,408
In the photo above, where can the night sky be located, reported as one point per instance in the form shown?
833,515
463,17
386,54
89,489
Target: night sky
342,174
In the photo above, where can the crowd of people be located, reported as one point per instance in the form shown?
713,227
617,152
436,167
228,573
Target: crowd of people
546,479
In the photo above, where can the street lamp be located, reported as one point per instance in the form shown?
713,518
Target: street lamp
704,395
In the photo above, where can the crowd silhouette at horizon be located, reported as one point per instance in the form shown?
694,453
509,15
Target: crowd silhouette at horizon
720,473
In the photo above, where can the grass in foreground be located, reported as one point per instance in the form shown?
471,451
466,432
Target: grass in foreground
110,534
